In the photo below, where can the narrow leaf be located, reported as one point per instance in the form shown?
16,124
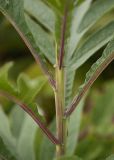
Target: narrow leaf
92,44
74,38
25,144
73,129
5,134
13,10
96,69
17,117
95,12
47,147
43,40
41,12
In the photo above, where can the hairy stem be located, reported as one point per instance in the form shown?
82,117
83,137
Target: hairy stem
60,122
45,130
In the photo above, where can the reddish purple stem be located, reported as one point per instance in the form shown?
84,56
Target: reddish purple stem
63,30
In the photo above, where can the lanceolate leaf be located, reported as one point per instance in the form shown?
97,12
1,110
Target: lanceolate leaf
47,147
96,11
13,10
42,39
26,139
73,129
92,44
41,12
70,47
16,122
5,134
96,69
74,36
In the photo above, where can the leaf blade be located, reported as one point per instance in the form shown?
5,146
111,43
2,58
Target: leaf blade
14,12
27,136
96,69
92,44
41,12
96,11
73,129
43,40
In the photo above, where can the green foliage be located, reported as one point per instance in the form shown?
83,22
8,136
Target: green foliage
47,147
97,128
110,158
96,11
69,158
59,34
26,90
92,44
37,10
73,129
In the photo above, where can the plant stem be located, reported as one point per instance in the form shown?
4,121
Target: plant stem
60,121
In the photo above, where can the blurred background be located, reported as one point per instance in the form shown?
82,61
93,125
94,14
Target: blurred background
97,128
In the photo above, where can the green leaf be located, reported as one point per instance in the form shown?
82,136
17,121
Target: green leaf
43,40
5,134
100,64
38,142
73,129
69,158
70,47
41,12
94,72
92,44
13,10
74,36
110,157
28,89
15,121
95,12
47,147
5,85
25,143
4,152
